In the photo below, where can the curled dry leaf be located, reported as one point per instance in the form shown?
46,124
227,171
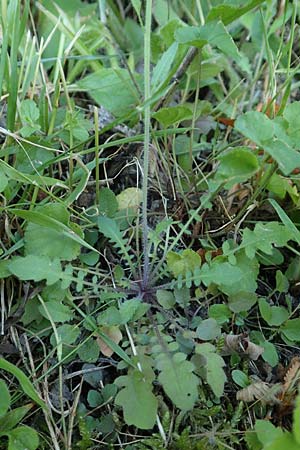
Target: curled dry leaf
292,377
240,343
114,334
239,193
261,391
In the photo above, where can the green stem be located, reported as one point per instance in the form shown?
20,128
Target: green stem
147,93
97,173
292,36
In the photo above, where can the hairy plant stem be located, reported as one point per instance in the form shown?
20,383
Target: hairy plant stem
147,93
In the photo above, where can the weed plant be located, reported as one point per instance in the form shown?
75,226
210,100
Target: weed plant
149,266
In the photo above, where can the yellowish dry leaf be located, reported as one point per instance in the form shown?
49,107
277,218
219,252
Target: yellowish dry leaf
114,334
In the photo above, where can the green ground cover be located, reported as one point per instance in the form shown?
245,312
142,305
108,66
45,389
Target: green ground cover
150,227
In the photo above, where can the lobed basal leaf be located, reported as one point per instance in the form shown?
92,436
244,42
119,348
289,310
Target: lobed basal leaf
177,378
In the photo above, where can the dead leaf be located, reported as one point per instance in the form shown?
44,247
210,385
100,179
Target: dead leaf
292,377
238,192
261,391
226,121
240,343
271,108
114,334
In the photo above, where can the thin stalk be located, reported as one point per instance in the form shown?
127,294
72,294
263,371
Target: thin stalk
200,12
14,8
147,111
3,55
55,103
97,173
59,348
194,117
270,59
292,37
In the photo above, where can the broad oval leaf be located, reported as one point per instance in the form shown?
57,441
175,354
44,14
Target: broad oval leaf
5,398
291,330
240,378
129,198
208,329
211,365
236,166
23,437
41,240
178,380
14,417
229,12
170,116
103,85
137,400
286,156
287,441
36,268
255,126
267,432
